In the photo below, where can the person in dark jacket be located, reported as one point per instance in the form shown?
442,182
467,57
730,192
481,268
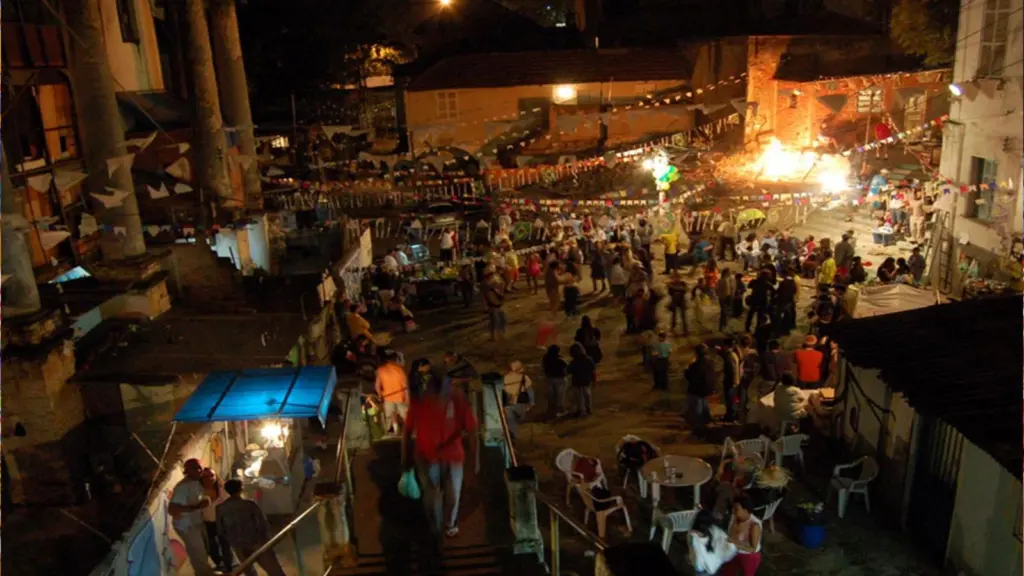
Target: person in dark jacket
555,371
590,338
761,292
784,309
700,383
858,275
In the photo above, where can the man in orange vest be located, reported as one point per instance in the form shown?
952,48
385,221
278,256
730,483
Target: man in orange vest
808,364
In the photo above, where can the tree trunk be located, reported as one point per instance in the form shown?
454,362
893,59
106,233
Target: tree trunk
21,294
210,141
235,90
101,131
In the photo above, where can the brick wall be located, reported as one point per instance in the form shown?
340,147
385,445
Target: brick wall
798,121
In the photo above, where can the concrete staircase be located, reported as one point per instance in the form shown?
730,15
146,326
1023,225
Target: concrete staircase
461,561
832,224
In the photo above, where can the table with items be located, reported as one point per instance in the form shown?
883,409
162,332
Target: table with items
676,472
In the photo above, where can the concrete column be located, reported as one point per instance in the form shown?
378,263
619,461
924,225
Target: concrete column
209,129
227,47
101,129
22,294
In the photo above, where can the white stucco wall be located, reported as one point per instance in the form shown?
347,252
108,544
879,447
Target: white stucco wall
898,446
135,66
982,120
981,538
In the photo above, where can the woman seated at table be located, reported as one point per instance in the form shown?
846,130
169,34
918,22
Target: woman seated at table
709,546
745,533
735,474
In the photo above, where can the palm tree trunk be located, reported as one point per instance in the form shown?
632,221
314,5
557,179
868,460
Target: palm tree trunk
227,45
101,130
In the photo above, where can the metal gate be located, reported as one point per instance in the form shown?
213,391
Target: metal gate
935,483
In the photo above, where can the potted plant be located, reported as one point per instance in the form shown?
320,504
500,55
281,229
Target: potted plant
811,520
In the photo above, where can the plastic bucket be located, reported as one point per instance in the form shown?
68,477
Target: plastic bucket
812,537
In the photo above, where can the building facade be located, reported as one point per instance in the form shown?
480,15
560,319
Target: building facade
804,86
547,103
983,137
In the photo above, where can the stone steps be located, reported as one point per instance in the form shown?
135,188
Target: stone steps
462,561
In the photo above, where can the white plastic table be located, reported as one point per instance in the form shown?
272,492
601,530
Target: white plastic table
689,471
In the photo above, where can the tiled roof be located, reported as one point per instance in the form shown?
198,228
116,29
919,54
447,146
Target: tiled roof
553,67
811,67
960,362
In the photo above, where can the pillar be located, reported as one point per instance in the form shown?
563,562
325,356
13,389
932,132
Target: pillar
227,45
101,130
210,145
21,294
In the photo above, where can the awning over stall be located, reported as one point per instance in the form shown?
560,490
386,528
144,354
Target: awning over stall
262,393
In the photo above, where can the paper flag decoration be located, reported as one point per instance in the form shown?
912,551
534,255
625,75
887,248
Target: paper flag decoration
180,169
40,182
182,188
5,278
120,231
119,162
141,143
115,199
68,178
275,171
181,146
87,226
157,194
50,238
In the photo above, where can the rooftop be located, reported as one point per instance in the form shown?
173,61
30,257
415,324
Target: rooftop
811,67
548,67
960,362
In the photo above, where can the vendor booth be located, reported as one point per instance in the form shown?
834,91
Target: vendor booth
265,411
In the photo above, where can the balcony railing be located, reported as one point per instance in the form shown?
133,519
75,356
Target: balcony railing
32,46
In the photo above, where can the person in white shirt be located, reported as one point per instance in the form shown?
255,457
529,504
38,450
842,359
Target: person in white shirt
188,499
220,550
447,245
403,258
390,263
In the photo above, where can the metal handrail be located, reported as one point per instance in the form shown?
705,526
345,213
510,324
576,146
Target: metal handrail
248,562
556,513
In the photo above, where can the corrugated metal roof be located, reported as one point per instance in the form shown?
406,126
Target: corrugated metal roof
553,67
961,362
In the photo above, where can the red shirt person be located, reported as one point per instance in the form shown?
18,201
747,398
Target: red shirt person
439,420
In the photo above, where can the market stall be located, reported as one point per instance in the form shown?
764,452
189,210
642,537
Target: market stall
266,411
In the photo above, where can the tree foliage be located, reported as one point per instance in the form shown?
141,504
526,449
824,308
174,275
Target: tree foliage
926,28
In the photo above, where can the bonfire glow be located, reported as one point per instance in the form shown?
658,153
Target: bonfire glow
778,163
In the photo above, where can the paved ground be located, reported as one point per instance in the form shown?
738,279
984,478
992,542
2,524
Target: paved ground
626,404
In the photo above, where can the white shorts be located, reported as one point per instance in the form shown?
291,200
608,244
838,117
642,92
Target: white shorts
392,408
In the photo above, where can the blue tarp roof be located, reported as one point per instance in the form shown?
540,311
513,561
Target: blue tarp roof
264,393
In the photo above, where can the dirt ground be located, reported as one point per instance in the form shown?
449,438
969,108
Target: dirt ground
625,403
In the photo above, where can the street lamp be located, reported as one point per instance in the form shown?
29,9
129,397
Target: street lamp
445,3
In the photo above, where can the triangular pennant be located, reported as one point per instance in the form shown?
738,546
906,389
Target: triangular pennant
115,199
67,178
141,143
180,169
40,182
87,226
181,146
50,238
119,162
275,171
156,194
182,188
740,105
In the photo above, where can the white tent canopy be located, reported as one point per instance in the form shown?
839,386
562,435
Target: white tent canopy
869,301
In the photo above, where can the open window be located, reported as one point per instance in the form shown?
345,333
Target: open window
128,21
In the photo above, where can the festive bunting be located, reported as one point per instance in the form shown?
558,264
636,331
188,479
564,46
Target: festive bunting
182,188
115,199
156,194
141,143
67,178
180,169
50,238
40,182
87,226
900,136
275,171
124,161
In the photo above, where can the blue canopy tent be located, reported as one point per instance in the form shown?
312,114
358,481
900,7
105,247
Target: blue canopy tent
262,393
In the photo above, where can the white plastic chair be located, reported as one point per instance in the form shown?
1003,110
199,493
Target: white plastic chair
641,483
755,446
791,445
847,486
670,523
608,505
769,514
566,462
